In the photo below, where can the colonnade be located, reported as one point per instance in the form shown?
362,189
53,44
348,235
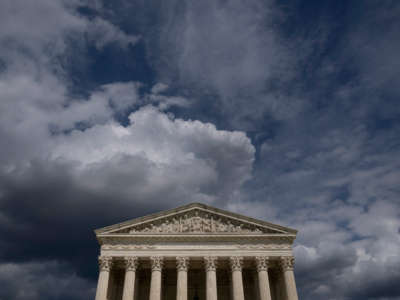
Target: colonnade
210,262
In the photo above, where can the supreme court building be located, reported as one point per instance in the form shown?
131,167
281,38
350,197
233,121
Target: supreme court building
196,252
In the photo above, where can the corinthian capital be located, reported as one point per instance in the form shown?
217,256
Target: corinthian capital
157,263
210,263
236,263
105,263
182,263
131,263
262,263
287,262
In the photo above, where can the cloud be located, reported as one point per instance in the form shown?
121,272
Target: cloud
156,162
66,158
159,88
102,32
336,186
157,153
226,54
320,107
23,26
30,41
44,280
32,109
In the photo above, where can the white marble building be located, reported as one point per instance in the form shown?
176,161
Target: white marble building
196,252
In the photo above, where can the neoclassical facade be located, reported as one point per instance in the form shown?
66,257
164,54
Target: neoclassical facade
196,252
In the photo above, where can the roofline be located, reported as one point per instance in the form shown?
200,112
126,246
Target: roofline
189,206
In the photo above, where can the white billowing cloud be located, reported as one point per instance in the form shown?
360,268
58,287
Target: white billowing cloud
159,155
34,100
33,109
155,155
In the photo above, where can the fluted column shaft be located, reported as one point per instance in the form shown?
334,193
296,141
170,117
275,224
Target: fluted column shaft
155,284
211,277
104,275
287,263
181,285
262,263
131,264
237,279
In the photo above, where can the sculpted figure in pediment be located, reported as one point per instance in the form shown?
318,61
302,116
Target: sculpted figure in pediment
175,225
197,223
221,227
185,224
166,227
230,227
207,224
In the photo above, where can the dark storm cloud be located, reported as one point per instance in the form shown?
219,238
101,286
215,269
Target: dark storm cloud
42,280
44,215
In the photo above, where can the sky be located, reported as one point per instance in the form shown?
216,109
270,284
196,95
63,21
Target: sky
287,111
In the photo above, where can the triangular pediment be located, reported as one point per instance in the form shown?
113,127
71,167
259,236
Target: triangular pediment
194,218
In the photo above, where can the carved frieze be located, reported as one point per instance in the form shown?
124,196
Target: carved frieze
195,221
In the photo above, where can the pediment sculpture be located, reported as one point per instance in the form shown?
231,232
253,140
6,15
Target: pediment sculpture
196,221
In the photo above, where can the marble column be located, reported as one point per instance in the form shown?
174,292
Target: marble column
181,285
155,284
287,263
262,263
211,277
236,263
131,264
104,275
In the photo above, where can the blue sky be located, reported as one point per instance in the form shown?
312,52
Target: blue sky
286,111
